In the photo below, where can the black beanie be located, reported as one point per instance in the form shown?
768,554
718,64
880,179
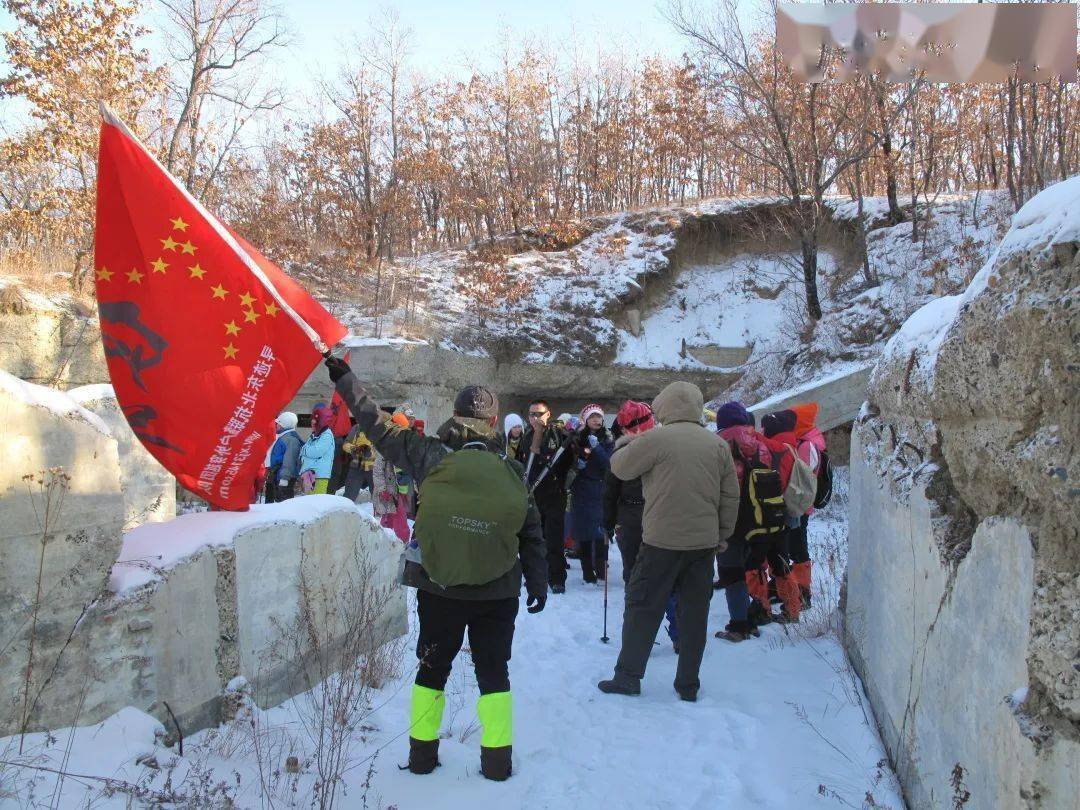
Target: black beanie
778,422
476,402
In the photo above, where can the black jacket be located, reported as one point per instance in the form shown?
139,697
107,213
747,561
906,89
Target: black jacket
552,489
417,455
624,503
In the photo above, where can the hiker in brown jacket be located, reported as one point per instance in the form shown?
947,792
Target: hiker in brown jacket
691,502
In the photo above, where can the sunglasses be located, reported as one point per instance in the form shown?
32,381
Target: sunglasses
538,414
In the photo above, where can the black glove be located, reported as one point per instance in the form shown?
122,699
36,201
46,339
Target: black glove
337,367
535,603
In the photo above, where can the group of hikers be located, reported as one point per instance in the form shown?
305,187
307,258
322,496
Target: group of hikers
693,508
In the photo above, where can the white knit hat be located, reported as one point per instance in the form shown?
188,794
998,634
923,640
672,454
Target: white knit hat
589,410
287,420
512,421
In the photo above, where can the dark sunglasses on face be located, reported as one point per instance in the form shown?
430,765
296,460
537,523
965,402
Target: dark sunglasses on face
538,414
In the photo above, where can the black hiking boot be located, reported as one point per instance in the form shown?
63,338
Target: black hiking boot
495,763
558,589
757,615
423,756
620,685
737,631
590,579
785,618
689,695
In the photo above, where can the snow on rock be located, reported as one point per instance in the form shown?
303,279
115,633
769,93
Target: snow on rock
51,399
154,547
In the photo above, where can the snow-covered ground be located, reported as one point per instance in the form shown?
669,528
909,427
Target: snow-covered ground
781,723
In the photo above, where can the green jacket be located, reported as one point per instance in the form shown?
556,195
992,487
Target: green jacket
417,455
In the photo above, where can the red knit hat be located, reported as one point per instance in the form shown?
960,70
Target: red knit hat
636,416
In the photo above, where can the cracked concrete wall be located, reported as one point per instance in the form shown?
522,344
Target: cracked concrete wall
963,594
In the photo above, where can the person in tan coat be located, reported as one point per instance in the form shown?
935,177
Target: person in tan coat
691,502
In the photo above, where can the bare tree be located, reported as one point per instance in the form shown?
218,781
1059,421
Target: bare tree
216,46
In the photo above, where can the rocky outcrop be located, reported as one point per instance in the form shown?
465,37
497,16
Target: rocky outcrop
61,522
49,341
963,593
171,614
149,489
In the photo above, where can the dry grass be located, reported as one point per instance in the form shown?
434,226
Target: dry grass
44,270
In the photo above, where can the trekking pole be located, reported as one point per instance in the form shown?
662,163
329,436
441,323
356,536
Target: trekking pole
551,463
604,638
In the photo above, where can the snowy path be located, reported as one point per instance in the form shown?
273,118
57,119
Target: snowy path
777,718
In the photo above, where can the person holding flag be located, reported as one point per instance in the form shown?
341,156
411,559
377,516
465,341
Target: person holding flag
477,535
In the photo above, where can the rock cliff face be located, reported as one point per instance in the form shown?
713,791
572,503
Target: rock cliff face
963,595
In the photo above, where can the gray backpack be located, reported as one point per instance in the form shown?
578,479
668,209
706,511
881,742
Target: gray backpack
802,487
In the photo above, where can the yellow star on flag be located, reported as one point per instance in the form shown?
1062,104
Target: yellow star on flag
219,292
196,271
251,316
246,300
231,328
159,265
104,274
135,276
188,248
272,309
168,244
230,351
178,224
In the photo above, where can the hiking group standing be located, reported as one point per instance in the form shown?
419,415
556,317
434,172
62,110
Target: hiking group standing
680,501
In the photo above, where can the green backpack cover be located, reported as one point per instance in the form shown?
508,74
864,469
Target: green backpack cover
472,506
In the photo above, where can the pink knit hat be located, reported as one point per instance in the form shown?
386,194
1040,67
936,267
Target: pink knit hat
589,410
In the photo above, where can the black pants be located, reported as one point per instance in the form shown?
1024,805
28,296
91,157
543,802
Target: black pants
443,623
798,546
553,518
357,479
593,558
629,540
658,573
775,551
275,493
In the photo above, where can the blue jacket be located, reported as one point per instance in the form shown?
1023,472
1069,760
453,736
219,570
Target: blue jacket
587,493
285,455
318,454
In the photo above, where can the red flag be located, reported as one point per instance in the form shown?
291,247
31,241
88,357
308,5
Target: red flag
342,423
205,338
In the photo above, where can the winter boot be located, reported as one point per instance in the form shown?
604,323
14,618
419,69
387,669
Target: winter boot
620,684
757,615
495,711
689,695
737,631
774,597
558,589
426,718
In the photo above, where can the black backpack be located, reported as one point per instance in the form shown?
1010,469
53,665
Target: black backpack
824,482
762,513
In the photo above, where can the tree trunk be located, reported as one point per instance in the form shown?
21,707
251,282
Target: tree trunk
809,240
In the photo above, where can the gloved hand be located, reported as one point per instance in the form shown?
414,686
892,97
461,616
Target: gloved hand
581,463
337,367
593,442
535,603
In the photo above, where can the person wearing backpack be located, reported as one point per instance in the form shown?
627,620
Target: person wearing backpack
477,535
811,449
799,486
759,524
691,502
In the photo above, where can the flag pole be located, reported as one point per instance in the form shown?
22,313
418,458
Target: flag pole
112,119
